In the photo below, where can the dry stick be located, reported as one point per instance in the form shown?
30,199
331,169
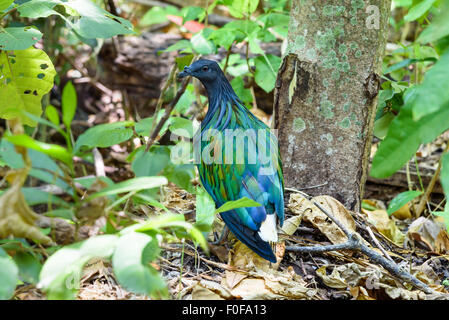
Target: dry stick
354,243
166,115
431,185
371,234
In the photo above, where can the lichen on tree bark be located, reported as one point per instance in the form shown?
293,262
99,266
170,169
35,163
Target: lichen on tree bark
326,93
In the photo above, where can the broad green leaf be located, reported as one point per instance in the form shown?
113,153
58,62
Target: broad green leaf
404,137
61,272
130,265
223,37
146,164
25,76
184,61
38,8
239,87
201,44
144,126
432,94
69,101
155,15
104,135
134,184
8,275
192,13
402,199
53,150
96,22
381,125
4,4
240,203
240,8
29,267
52,114
205,210
181,127
438,28
186,100
266,71
18,38
183,44
418,10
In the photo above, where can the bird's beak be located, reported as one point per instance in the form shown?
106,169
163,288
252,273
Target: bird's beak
184,73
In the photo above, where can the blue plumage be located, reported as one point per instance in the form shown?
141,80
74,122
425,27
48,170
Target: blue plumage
250,167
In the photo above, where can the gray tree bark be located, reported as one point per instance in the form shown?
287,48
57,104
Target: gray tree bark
326,93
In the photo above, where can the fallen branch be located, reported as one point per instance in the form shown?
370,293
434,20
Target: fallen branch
354,243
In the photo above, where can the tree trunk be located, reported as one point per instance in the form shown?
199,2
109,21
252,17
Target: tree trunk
326,94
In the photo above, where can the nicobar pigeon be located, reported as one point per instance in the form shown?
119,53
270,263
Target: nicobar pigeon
250,176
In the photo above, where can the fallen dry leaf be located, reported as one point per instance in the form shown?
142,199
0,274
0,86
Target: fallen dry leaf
16,217
324,224
385,225
432,234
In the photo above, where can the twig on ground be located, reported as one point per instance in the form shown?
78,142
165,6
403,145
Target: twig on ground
354,243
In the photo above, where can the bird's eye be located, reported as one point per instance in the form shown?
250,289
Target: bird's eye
205,68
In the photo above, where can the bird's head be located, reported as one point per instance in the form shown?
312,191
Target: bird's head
207,71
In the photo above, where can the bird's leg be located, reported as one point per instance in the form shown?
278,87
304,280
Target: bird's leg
223,236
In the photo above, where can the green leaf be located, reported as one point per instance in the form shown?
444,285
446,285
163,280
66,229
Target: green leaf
134,184
4,4
432,94
105,135
29,267
18,38
130,264
192,13
38,9
183,44
205,210
25,76
438,28
155,15
150,163
240,203
239,8
171,221
402,199
223,37
61,272
381,125
52,114
266,71
69,101
181,127
201,44
239,87
8,275
418,10
184,61
53,150
96,22
404,137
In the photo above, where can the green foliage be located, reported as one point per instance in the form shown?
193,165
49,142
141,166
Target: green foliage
69,101
402,199
25,77
8,275
104,135
416,112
